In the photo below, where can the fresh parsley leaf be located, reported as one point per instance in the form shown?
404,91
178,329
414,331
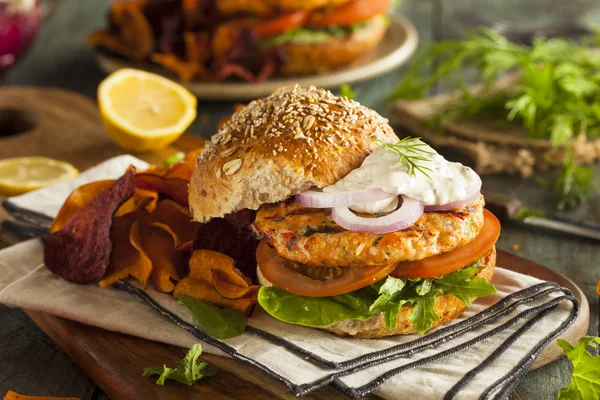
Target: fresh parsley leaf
217,322
189,370
585,381
347,91
173,159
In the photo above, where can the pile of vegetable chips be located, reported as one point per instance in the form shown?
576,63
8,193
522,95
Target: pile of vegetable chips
140,226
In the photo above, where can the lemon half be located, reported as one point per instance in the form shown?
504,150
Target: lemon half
144,111
23,174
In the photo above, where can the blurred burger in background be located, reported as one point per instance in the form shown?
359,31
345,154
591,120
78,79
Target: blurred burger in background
245,39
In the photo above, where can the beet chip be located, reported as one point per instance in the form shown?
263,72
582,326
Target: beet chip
77,200
230,237
80,251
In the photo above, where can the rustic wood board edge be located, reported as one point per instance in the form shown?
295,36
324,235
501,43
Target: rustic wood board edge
115,360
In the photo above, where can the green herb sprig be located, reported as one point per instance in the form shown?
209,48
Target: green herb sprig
573,184
557,96
189,370
411,151
585,380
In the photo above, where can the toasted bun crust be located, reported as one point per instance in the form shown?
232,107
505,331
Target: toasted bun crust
281,145
304,59
266,7
448,307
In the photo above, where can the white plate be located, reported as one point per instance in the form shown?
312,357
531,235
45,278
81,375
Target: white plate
397,46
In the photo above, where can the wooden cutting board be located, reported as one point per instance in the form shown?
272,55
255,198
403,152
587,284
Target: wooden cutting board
66,126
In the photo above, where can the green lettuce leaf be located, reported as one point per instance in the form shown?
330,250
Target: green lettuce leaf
187,371
217,322
386,296
585,381
315,311
309,36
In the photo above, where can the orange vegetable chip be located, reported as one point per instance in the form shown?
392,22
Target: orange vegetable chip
179,170
143,252
77,200
197,47
214,278
142,199
175,188
134,30
186,71
10,395
128,257
167,262
176,220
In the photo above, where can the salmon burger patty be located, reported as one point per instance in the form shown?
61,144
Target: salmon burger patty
310,236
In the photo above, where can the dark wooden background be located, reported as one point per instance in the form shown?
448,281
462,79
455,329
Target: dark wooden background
31,364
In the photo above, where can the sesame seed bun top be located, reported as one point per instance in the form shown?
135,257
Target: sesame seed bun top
281,145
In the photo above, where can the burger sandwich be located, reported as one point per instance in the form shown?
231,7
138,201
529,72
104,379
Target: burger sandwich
244,39
302,37
361,233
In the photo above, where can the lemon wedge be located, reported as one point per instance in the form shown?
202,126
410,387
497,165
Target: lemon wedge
143,111
23,174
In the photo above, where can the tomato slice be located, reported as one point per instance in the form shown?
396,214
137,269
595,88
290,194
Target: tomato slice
283,273
443,264
353,12
279,25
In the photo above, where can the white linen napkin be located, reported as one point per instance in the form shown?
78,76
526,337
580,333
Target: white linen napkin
482,354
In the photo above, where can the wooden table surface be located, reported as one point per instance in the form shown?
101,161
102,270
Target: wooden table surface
33,364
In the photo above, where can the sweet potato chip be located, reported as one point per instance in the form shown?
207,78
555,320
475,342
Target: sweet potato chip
128,257
186,71
134,30
80,251
179,170
77,200
167,262
142,199
10,395
214,278
175,188
176,220
197,47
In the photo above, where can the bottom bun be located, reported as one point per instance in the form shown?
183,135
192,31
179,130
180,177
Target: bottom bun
448,307
304,59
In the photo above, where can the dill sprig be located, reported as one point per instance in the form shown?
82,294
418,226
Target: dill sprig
411,151
556,97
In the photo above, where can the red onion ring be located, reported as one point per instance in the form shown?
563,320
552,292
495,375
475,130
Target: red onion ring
407,214
454,204
314,199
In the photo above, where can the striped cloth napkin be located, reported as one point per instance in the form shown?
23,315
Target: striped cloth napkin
483,354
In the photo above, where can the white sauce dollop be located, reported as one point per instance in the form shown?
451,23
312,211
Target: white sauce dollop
382,169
